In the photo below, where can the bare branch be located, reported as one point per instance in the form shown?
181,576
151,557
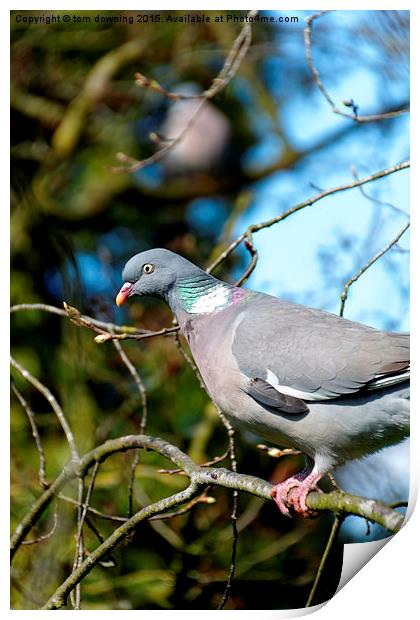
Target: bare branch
234,513
92,510
44,536
377,200
145,82
78,557
217,459
105,335
302,205
278,453
254,259
369,264
53,402
165,331
58,599
35,434
108,327
143,399
132,165
82,512
338,520
139,383
230,67
336,501
348,103
201,499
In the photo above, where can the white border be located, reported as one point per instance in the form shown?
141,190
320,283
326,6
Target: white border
387,586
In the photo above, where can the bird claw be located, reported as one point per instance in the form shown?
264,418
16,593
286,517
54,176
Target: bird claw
298,499
280,495
293,493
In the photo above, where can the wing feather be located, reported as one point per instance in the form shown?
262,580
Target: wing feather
316,354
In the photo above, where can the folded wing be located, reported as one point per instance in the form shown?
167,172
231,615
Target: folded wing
313,355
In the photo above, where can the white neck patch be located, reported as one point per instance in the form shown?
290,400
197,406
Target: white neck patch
216,298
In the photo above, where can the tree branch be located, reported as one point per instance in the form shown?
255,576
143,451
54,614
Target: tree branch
53,402
230,67
369,264
348,103
35,434
302,205
84,318
338,520
336,501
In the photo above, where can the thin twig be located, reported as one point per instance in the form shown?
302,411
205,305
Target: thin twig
302,205
144,82
377,201
105,563
58,599
165,331
217,459
43,307
46,536
234,513
190,361
104,335
87,319
254,259
399,504
82,509
230,67
397,247
338,520
201,499
92,510
75,596
349,103
53,402
139,383
277,453
35,434
143,420
365,267
132,165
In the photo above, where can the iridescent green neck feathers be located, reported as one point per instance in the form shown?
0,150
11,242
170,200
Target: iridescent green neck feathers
202,294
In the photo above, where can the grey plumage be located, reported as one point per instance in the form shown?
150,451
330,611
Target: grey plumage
332,388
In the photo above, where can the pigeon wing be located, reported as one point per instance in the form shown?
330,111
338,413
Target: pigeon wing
315,355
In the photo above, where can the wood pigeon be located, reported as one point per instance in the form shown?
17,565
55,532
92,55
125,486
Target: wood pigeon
332,388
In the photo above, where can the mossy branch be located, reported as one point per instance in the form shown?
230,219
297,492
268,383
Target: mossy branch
338,502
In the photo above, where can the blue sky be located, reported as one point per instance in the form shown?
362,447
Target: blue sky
290,253
289,264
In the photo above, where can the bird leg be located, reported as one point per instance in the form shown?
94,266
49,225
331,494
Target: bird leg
294,491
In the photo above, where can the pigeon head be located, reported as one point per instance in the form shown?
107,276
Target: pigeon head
185,287
155,272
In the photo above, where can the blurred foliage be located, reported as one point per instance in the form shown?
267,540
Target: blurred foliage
74,223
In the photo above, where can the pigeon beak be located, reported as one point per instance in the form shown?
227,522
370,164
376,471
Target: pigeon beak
125,291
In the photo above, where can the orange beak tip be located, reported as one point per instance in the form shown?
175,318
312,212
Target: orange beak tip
125,291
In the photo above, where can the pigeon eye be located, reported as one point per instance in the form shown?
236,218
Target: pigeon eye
148,268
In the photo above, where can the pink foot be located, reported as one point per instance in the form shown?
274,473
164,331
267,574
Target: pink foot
280,494
294,491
